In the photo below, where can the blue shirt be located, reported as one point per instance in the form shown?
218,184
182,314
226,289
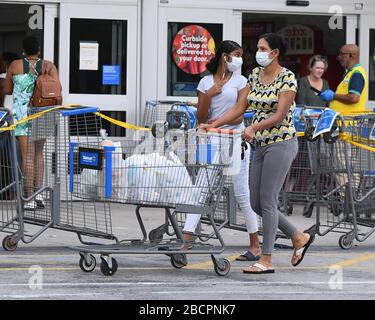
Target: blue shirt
356,83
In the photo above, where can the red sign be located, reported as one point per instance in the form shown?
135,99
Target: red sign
193,47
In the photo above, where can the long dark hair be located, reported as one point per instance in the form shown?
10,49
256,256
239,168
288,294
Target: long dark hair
275,41
227,46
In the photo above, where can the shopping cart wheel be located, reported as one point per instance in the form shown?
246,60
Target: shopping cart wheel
289,208
156,235
108,266
87,262
308,210
178,260
224,269
9,244
346,242
221,266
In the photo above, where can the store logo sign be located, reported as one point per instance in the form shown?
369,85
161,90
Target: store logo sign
36,19
336,21
299,38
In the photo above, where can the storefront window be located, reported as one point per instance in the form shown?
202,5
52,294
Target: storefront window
306,35
191,45
98,56
371,95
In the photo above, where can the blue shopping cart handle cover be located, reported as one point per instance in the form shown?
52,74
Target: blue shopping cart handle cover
298,124
325,122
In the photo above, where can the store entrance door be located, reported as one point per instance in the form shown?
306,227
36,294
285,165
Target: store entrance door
367,59
306,35
98,58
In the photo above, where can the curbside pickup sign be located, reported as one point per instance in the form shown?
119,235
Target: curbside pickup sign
193,47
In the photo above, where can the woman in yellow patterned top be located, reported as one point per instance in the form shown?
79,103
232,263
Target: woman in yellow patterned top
272,89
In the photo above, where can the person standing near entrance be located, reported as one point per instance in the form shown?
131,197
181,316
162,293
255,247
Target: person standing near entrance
306,96
20,81
5,60
272,94
6,101
351,93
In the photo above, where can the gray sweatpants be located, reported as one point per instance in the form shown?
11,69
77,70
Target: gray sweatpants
269,168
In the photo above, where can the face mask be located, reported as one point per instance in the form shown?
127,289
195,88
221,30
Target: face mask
263,59
235,64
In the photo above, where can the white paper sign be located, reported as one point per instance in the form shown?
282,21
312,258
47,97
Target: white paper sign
88,55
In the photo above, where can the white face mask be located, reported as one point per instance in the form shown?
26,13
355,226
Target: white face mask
263,59
235,64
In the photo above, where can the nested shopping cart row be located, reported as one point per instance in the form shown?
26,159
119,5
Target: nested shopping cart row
76,176
38,194
72,176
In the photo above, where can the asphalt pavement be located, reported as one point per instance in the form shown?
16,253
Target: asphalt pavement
49,268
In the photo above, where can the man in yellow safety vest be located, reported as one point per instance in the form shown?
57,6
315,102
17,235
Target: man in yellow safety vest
351,93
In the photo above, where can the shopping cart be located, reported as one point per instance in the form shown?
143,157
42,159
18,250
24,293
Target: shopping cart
345,199
44,198
299,186
156,111
174,118
182,179
10,205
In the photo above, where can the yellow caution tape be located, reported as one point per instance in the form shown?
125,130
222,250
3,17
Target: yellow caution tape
121,123
33,116
348,138
39,114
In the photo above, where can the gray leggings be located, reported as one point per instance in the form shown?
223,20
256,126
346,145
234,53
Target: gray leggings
269,168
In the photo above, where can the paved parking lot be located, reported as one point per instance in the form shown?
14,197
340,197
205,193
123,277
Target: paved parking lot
48,269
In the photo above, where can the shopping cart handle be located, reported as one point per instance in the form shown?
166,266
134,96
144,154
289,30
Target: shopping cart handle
223,131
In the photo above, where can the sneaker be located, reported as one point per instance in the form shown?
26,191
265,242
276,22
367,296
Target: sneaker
39,201
31,206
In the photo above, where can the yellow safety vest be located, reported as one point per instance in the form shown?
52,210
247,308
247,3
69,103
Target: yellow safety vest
343,88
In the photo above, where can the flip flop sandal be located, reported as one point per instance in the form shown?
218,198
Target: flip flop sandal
301,252
247,256
263,269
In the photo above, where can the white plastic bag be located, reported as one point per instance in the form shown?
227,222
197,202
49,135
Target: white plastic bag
154,178
88,184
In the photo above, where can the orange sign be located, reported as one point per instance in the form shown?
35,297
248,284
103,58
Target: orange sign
193,47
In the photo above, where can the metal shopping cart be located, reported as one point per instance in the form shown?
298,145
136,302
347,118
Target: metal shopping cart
299,186
44,198
345,189
10,205
182,178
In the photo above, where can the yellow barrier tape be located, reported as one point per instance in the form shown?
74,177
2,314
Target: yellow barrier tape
348,138
121,123
34,116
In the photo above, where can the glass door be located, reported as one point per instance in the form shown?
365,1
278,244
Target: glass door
367,58
98,57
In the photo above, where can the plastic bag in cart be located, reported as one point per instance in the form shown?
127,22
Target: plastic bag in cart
156,178
92,182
